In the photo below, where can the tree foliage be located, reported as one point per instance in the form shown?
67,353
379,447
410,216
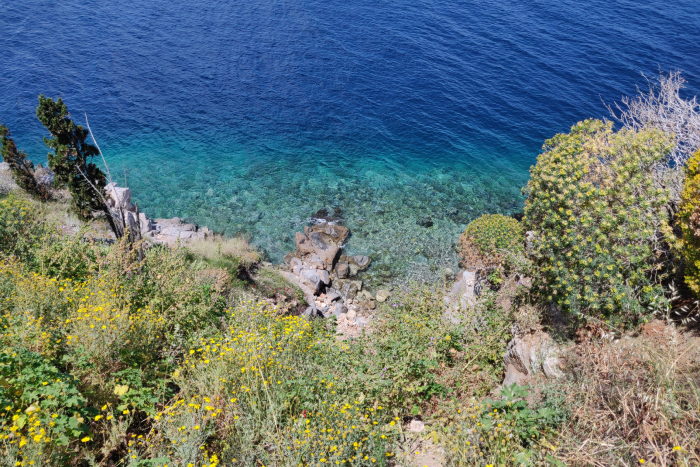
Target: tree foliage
71,159
689,221
22,168
598,220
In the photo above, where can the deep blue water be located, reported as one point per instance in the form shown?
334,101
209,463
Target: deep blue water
249,116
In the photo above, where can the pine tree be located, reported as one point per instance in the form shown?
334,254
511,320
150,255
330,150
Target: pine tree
71,160
22,168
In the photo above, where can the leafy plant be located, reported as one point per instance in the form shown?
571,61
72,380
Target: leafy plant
20,165
598,220
689,221
484,241
71,160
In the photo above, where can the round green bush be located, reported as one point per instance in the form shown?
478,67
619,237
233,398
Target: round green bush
598,221
486,240
689,221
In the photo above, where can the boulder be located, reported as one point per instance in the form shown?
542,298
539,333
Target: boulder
324,276
347,288
330,234
342,270
289,257
333,296
326,252
119,197
303,244
362,261
310,278
315,262
339,309
312,312
382,295
527,355
146,223
416,426
295,264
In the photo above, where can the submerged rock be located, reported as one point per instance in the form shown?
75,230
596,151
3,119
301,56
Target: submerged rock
426,221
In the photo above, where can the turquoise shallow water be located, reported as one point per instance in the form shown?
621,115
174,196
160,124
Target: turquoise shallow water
250,116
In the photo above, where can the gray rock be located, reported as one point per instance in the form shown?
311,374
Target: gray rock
146,223
303,244
362,261
295,263
310,278
325,277
315,261
4,166
289,257
339,309
312,312
333,296
527,355
342,270
416,426
326,252
382,295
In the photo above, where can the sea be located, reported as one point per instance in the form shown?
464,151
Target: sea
404,120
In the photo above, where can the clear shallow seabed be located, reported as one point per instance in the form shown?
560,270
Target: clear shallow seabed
250,116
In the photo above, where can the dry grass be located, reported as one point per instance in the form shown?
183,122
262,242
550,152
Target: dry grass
635,401
222,250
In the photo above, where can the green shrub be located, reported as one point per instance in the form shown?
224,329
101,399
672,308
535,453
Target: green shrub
501,432
689,221
486,239
22,168
598,220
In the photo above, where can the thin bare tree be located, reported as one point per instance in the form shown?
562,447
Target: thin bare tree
662,107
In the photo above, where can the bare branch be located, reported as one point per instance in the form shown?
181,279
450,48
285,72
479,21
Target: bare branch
109,176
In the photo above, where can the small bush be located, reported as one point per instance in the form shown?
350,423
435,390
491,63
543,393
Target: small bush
486,239
598,221
501,432
689,221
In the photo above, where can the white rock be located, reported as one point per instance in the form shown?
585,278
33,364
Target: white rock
416,426
382,295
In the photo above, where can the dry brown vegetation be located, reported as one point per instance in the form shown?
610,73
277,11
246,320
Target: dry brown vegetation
634,401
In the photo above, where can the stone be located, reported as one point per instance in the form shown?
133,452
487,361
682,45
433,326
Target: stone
324,276
339,309
310,278
416,426
333,296
312,312
4,166
303,244
351,315
449,275
295,263
119,197
289,257
425,221
315,262
342,270
362,261
348,289
382,295
146,224
371,305
326,252
527,354
330,234
354,269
